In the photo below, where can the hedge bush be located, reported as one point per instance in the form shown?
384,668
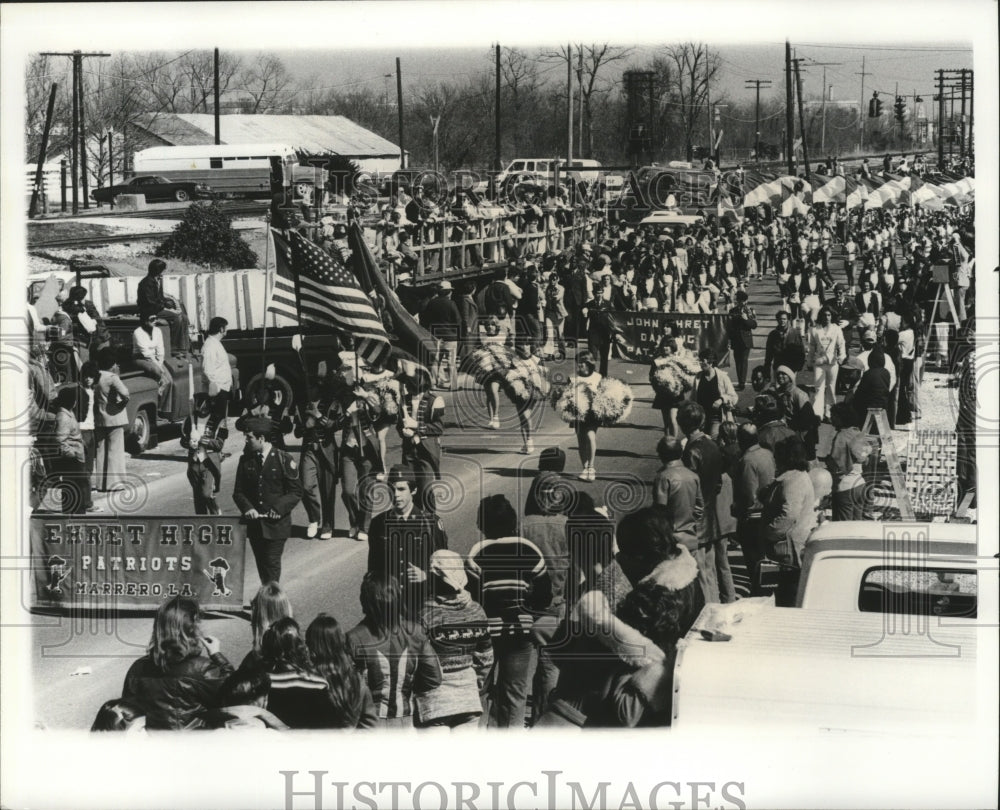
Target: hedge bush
206,236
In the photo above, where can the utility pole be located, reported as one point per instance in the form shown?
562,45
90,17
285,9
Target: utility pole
940,126
218,138
756,137
961,120
399,111
822,136
75,137
802,118
78,138
861,112
971,106
789,112
569,104
111,164
708,109
579,82
496,118
823,65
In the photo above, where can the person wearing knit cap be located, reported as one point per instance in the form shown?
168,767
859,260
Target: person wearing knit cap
797,409
458,631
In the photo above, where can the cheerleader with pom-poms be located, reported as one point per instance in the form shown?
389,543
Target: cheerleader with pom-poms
490,363
525,384
590,401
384,384
671,374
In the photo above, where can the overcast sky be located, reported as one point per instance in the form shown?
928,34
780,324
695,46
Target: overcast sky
910,64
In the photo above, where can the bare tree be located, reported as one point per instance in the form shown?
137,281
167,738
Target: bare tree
595,57
40,74
694,69
265,81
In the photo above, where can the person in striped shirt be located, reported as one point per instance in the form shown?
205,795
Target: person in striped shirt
509,578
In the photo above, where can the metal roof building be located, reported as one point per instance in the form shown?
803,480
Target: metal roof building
316,134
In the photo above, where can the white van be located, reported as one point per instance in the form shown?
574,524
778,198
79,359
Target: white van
543,169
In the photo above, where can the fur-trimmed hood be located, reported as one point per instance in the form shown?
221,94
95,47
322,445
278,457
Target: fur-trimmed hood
676,573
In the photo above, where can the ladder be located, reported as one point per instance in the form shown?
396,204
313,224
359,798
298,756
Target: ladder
945,290
881,420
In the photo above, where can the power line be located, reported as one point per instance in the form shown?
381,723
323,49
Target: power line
886,48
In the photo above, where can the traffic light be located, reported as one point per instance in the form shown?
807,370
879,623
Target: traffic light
900,109
874,106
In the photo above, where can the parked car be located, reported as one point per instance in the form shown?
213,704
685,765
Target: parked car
155,189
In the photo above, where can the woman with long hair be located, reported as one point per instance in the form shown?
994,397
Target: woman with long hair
286,683
269,605
391,652
181,676
350,698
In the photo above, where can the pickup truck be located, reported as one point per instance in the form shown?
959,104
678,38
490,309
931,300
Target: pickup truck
144,420
826,671
928,569
883,639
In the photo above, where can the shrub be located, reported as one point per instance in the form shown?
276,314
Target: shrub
206,236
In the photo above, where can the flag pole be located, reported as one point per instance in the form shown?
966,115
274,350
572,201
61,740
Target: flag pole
267,290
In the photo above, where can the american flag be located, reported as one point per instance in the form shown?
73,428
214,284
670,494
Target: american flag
329,295
282,301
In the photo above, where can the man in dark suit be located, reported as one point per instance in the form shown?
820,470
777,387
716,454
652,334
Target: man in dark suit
740,325
150,296
267,489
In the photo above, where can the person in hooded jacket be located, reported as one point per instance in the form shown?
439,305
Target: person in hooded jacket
458,631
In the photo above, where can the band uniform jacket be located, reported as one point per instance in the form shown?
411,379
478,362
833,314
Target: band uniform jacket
429,429
812,285
275,485
356,437
872,305
395,541
318,436
212,441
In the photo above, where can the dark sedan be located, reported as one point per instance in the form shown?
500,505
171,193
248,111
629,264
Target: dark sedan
155,189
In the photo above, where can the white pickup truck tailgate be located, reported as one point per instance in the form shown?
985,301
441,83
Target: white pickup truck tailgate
824,670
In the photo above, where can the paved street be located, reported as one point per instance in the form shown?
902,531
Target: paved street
325,575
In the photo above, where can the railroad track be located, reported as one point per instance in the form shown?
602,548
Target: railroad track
232,209
93,241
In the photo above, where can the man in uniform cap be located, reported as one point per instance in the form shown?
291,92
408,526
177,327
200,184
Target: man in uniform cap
267,489
402,539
